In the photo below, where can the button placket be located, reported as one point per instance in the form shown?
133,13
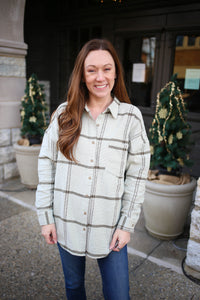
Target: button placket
98,125
90,172
99,122
92,157
93,142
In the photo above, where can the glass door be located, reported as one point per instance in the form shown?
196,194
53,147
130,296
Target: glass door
187,68
139,61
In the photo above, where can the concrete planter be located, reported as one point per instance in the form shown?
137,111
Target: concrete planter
166,208
27,162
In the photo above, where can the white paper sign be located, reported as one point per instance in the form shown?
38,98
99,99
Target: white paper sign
192,79
138,74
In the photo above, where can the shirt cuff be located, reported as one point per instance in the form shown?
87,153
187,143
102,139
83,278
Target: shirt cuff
45,217
126,224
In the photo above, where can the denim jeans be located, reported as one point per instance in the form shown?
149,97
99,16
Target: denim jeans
114,273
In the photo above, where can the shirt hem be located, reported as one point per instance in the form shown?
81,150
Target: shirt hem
84,253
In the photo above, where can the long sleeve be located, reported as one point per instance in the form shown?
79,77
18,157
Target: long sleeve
136,174
46,173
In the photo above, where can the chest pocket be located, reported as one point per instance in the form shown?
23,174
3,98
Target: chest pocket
116,159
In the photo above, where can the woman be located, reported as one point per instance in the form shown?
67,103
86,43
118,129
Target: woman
92,169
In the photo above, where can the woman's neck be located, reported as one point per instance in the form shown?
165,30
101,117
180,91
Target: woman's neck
96,107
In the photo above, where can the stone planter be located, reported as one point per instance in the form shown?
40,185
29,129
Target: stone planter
27,162
166,208
192,262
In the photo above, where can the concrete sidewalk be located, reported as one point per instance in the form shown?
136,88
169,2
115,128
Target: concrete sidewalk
30,269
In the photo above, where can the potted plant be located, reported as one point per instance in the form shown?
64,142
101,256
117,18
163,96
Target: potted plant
33,124
169,192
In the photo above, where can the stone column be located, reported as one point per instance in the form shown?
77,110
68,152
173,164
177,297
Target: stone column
12,81
192,266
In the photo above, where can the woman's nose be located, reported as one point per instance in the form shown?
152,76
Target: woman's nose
100,75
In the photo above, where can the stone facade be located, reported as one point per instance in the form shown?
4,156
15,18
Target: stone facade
12,82
12,66
8,166
193,248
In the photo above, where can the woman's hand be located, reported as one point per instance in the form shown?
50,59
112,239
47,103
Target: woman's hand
49,233
120,239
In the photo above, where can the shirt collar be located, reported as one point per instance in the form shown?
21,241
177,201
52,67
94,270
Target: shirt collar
113,108
86,108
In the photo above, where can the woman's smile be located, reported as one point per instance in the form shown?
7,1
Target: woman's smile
101,86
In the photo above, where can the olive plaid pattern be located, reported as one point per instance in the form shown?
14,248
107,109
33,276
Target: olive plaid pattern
104,190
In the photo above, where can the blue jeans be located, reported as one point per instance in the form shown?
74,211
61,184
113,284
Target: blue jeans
114,273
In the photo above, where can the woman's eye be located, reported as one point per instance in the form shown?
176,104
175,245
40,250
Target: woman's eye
107,69
91,71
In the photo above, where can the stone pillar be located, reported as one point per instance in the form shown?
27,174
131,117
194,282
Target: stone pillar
192,266
12,81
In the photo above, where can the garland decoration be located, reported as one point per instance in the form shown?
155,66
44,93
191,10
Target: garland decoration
33,110
170,132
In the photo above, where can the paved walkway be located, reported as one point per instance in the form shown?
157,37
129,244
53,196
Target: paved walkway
30,269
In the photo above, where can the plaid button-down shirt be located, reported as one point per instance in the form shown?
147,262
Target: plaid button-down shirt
104,190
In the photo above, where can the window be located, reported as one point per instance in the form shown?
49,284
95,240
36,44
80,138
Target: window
187,68
191,41
179,40
139,58
148,57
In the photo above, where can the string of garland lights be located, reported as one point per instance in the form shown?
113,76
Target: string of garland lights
33,118
170,132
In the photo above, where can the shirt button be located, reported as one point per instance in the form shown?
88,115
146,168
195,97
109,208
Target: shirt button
97,125
91,160
85,213
93,142
83,229
89,177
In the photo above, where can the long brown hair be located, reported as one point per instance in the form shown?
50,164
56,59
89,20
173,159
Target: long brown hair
70,119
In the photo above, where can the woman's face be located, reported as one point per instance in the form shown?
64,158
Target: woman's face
99,74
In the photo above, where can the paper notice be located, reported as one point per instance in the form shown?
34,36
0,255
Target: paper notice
192,79
138,74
